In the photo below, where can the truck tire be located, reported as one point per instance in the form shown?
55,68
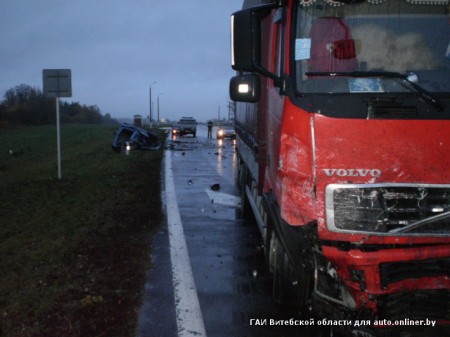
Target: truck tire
292,282
243,181
290,285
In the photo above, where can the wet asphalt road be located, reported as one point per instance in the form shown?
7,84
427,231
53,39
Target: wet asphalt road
225,252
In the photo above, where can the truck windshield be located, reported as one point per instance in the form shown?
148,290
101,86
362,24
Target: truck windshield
407,37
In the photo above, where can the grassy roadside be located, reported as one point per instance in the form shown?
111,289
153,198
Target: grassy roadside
74,252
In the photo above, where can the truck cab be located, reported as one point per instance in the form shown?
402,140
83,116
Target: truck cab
343,137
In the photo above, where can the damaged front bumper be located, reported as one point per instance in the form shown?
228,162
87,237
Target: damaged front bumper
385,292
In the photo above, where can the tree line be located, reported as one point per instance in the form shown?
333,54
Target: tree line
25,105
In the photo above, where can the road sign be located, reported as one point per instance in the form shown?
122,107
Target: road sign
57,82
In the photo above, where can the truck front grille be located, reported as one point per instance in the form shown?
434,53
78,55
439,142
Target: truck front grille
384,208
420,304
397,271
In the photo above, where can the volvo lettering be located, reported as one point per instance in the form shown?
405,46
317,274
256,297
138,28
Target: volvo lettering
352,172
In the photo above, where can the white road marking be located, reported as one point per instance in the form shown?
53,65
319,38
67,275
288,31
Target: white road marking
187,306
223,198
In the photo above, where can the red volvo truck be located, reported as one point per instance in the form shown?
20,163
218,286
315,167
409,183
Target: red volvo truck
343,127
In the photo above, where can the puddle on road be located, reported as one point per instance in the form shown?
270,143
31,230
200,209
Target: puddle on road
189,144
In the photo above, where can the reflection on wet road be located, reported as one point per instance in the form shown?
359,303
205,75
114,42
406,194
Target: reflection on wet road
225,252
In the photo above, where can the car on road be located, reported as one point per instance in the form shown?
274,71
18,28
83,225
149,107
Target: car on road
175,130
185,126
226,131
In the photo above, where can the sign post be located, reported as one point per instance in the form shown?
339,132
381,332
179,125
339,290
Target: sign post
57,83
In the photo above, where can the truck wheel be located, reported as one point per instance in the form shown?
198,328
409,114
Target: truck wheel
247,212
269,256
291,284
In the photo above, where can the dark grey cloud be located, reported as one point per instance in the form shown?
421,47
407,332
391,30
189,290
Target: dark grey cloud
116,49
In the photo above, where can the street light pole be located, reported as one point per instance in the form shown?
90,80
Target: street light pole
150,115
158,107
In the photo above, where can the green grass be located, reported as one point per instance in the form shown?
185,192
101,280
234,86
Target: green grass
74,251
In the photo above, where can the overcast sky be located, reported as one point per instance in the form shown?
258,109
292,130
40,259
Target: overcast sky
117,49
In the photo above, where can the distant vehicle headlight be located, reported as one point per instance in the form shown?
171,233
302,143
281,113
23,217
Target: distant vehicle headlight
220,132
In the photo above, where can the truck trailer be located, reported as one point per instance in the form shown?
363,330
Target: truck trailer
343,143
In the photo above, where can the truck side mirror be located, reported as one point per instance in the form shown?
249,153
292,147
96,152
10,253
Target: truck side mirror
245,40
246,37
245,88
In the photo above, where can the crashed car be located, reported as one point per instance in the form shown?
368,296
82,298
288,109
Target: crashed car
226,131
129,137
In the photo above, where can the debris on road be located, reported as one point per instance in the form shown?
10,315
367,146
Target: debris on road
215,187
